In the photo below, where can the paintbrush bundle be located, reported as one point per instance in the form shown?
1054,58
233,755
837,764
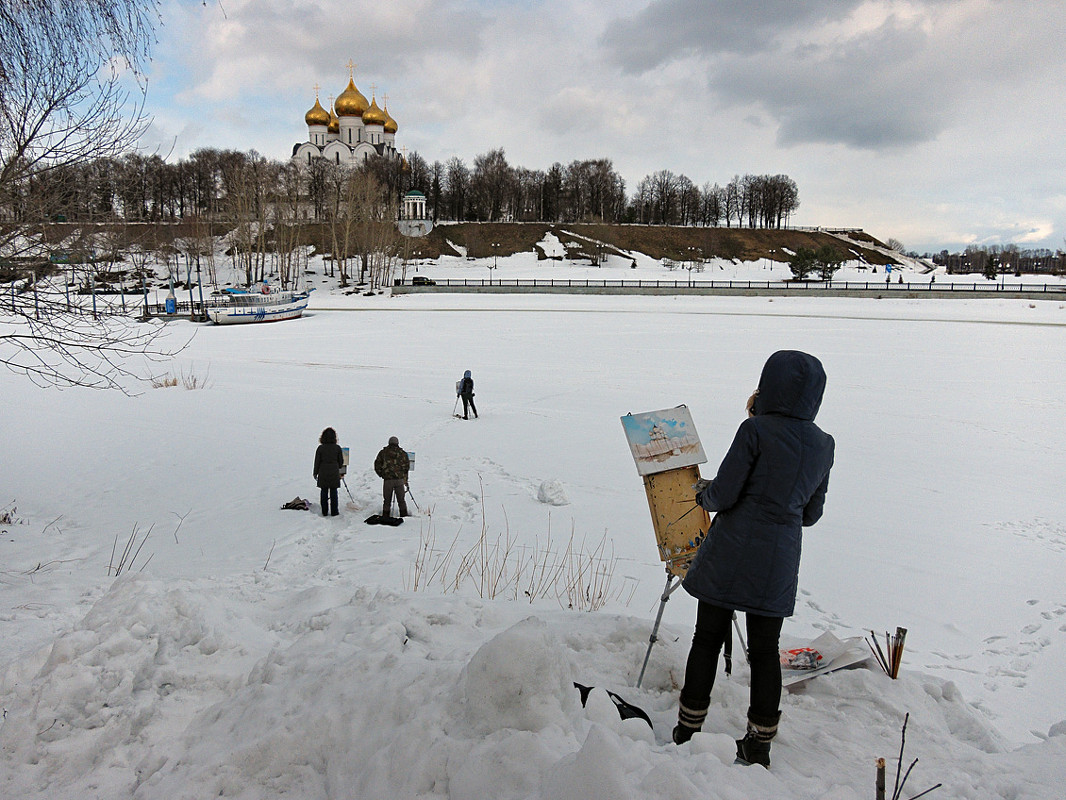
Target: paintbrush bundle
891,656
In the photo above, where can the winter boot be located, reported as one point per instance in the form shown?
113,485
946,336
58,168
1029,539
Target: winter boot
689,723
754,748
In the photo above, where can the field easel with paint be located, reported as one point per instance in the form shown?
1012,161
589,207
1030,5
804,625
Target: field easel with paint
667,452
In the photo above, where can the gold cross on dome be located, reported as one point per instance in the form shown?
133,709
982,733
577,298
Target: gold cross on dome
351,69
385,99
316,91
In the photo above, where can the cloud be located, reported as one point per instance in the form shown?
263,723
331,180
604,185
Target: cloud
670,29
259,44
860,93
868,75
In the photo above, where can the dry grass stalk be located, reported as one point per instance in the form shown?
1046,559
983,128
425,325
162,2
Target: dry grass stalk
189,380
129,553
579,577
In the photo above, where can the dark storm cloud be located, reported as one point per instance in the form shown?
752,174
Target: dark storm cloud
880,90
874,88
670,29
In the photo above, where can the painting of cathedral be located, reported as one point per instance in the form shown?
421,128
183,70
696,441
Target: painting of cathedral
663,440
351,132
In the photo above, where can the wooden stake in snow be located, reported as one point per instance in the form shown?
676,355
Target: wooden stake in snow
897,790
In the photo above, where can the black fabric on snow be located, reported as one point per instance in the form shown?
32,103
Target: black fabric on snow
771,483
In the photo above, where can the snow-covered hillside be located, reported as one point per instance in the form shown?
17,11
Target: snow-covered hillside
248,651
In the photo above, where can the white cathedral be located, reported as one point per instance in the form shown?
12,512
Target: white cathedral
351,132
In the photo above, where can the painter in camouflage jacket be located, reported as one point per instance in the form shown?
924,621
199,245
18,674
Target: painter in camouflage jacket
392,466
392,463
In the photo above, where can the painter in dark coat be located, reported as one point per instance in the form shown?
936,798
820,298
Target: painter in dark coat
771,483
329,465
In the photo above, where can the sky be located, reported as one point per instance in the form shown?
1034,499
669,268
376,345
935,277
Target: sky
934,122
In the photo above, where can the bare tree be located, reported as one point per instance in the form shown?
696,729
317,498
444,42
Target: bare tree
733,205
642,200
374,210
287,237
66,70
70,94
457,188
436,189
664,195
490,184
348,216
711,202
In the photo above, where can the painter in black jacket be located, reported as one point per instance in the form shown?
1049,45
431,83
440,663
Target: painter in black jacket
329,465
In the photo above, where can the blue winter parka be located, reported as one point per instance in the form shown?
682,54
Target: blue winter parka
771,483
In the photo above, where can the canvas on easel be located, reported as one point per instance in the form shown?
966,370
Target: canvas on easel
667,452
663,440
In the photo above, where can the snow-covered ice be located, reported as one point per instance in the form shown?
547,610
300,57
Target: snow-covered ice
254,652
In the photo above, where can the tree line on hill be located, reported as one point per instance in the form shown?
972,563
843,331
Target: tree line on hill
137,187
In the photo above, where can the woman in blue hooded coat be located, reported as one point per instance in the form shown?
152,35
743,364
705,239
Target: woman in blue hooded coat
771,483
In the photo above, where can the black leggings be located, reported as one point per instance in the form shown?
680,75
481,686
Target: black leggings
327,498
468,405
712,629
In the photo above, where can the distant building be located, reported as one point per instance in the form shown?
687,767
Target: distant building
351,132
414,221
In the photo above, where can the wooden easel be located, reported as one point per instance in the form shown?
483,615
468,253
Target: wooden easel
680,526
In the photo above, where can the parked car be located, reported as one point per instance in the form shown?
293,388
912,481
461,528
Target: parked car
422,280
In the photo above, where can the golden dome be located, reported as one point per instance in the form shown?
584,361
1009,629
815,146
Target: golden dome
374,115
390,123
317,115
334,123
351,102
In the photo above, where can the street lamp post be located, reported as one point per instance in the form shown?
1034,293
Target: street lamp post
495,256
200,283
188,282
92,276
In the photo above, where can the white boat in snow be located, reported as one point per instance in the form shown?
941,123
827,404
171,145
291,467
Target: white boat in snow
269,305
